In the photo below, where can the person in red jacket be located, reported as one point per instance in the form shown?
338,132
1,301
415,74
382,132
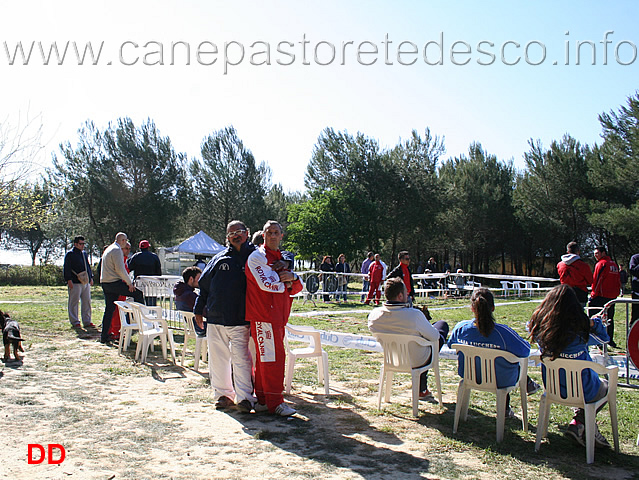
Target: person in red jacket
268,305
573,271
376,275
606,286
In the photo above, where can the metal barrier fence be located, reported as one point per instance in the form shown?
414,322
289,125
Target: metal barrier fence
628,363
318,284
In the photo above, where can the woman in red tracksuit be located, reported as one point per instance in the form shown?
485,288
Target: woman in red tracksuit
376,274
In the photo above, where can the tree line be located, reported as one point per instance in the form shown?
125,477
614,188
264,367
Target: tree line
474,210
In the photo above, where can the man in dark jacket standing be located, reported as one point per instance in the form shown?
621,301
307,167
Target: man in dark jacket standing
144,262
76,262
403,271
223,293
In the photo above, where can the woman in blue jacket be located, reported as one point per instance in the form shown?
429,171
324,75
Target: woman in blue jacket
482,331
562,330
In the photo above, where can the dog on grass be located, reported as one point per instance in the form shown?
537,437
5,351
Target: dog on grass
10,336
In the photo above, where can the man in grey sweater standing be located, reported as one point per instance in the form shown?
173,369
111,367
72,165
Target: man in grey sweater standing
115,281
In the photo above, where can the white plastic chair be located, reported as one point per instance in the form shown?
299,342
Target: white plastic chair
574,397
485,379
188,319
151,325
507,287
531,287
397,359
313,350
517,288
128,323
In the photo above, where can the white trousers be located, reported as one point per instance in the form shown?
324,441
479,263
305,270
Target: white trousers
229,346
79,293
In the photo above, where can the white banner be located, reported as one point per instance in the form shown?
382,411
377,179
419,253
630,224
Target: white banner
361,342
364,342
339,339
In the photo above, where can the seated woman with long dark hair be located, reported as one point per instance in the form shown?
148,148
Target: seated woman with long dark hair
562,330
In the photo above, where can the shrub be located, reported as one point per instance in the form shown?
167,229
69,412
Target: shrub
49,275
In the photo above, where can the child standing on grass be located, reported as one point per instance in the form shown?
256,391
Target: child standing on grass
562,330
482,331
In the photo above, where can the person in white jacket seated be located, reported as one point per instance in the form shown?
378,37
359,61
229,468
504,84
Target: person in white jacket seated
396,316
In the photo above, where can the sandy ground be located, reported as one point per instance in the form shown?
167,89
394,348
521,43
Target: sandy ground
119,420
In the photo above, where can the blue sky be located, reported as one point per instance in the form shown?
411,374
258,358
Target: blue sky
280,110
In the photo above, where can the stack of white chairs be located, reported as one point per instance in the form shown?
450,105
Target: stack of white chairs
152,325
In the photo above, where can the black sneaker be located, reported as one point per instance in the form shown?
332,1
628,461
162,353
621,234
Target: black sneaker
532,387
244,406
577,431
224,402
600,440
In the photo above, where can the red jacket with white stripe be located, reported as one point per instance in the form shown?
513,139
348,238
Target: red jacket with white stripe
267,298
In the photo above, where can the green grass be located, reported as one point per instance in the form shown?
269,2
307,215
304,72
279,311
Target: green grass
44,317
359,371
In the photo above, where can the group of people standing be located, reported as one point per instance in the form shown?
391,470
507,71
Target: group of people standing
114,275
341,281
604,283
245,297
375,270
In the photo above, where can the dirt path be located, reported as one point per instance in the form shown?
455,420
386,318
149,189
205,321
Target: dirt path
119,420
